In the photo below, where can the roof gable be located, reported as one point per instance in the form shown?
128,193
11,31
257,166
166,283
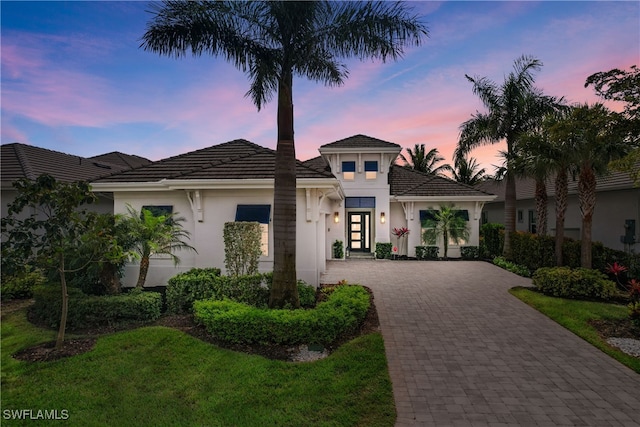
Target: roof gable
237,159
126,160
407,182
361,141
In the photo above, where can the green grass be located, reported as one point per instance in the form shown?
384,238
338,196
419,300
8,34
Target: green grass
162,377
575,316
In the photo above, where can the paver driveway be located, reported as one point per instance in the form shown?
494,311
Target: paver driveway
463,351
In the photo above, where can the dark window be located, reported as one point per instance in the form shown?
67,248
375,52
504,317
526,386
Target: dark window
360,202
251,213
371,166
348,166
159,210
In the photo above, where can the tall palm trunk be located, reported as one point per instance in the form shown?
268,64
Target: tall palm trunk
541,206
509,212
65,303
561,210
587,196
284,288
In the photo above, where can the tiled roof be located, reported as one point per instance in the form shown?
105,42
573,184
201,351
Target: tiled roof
405,181
360,141
128,161
525,188
26,161
238,159
317,163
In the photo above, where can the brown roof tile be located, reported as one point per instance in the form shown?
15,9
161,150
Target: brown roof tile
405,181
238,159
360,141
128,161
26,161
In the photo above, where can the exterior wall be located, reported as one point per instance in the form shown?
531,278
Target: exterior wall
218,207
103,205
612,209
413,224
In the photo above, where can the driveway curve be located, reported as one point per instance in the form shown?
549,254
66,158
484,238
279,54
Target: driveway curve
463,351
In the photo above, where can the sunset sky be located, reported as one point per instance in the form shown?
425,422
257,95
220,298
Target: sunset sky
75,80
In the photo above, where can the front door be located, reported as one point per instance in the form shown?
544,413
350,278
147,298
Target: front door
359,231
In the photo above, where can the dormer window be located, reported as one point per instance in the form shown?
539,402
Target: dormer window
370,169
348,171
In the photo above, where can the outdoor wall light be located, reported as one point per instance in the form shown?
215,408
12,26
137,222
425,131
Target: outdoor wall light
336,217
382,218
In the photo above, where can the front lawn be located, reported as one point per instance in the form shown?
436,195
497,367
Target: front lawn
161,376
577,315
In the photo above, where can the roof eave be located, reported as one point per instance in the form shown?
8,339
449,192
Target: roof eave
211,184
478,198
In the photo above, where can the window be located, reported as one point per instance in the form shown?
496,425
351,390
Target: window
348,171
159,210
371,170
256,213
360,202
520,218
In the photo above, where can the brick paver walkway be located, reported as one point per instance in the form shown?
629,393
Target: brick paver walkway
463,351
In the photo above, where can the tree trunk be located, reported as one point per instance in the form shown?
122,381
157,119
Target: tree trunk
109,278
144,269
587,196
65,304
509,212
561,210
445,236
541,206
284,290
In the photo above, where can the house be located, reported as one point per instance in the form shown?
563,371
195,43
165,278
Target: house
26,161
352,192
616,219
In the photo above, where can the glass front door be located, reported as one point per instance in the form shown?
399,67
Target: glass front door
359,231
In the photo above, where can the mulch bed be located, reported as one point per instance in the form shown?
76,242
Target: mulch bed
185,323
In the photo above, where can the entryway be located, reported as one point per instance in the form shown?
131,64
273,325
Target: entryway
359,232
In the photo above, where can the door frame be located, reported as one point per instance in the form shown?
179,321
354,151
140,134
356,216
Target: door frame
365,219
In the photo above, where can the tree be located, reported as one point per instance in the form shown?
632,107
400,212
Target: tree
423,161
448,223
468,171
53,230
155,234
273,41
623,86
595,138
514,108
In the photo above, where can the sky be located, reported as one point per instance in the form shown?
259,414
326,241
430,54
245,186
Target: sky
74,78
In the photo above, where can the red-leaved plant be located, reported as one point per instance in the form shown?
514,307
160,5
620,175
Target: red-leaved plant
400,232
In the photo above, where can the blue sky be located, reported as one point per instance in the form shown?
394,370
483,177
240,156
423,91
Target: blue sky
75,80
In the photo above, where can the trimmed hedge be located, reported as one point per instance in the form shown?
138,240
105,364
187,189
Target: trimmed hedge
469,252
234,322
88,311
565,282
383,250
491,240
427,252
200,284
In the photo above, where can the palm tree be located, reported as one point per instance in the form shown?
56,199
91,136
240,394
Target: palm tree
423,161
595,139
155,234
468,171
514,108
447,223
273,41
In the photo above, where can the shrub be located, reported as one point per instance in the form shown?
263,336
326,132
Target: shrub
242,247
427,252
520,270
88,311
491,240
532,250
234,322
383,250
21,285
338,249
184,288
307,294
469,252
565,282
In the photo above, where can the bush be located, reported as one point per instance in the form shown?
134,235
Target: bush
565,282
184,288
532,250
338,249
383,250
234,322
427,252
88,311
21,285
491,240
242,247
520,270
307,294
469,252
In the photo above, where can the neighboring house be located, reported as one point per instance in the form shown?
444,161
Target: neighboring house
353,192
26,161
617,210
